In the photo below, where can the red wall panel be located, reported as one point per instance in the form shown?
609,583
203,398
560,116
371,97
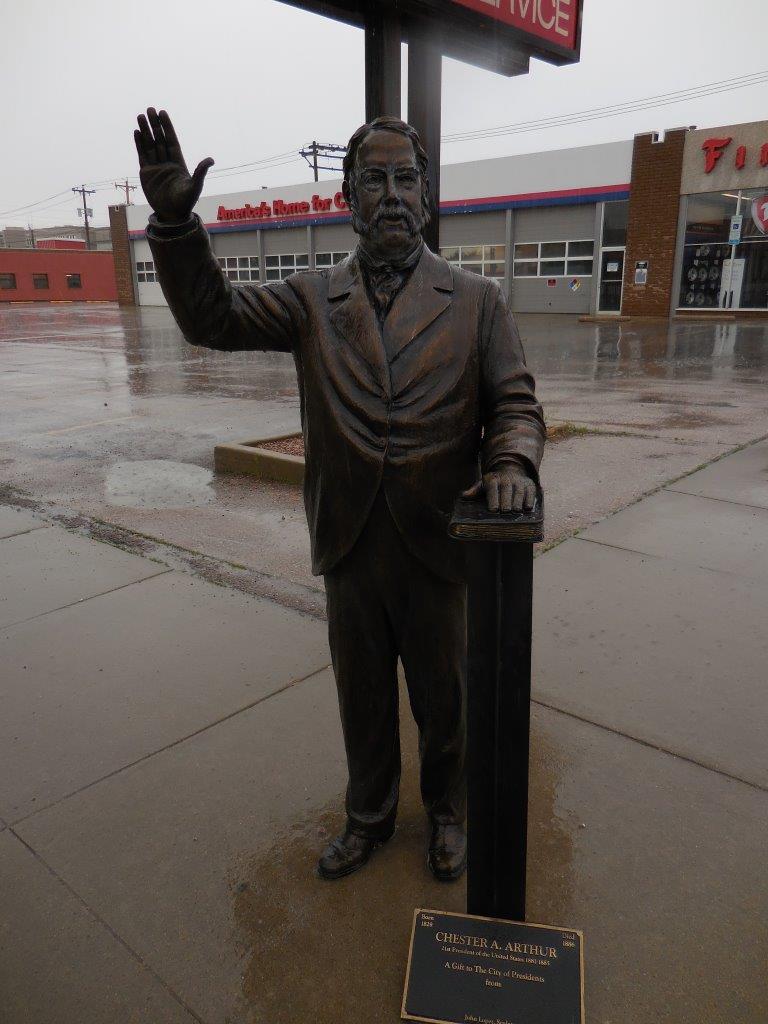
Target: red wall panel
96,270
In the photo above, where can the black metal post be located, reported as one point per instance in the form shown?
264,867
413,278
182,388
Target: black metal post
499,632
382,63
425,79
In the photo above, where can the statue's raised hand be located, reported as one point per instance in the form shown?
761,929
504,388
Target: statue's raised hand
170,189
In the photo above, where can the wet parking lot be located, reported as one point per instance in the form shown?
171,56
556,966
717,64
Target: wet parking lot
108,413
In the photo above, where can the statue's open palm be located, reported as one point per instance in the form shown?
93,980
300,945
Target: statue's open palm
170,189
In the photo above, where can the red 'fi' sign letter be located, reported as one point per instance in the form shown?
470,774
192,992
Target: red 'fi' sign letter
714,149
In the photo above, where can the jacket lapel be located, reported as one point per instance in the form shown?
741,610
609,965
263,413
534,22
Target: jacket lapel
355,320
426,295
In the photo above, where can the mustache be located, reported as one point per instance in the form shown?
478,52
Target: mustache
395,210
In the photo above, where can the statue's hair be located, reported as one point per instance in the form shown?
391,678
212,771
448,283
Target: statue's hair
388,124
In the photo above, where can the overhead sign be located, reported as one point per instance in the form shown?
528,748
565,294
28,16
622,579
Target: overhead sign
556,21
496,34
725,159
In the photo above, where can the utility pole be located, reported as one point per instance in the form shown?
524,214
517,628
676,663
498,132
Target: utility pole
130,188
83,191
31,235
314,158
326,152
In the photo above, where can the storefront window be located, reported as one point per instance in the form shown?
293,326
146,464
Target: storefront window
615,216
751,258
716,273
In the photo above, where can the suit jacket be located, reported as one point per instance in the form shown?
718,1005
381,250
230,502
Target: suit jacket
456,387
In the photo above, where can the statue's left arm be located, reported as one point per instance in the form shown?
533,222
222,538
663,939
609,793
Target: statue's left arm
513,424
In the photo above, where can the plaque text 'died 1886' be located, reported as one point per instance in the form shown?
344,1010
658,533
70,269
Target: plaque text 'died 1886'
477,970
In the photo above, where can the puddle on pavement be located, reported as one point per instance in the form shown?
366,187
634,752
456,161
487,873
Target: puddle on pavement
158,483
334,951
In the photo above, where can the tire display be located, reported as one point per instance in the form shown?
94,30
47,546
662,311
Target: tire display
702,273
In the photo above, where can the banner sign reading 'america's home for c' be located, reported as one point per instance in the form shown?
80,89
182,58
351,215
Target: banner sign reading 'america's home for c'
557,21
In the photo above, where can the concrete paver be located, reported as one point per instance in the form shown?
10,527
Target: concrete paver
719,535
95,686
59,964
743,478
202,859
163,847
48,569
665,652
13,523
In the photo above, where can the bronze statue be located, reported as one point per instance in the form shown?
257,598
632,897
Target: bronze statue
413,389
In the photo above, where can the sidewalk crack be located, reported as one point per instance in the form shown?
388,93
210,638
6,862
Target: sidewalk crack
108,927
651,746
169,746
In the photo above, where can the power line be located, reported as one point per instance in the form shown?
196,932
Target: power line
252,170
127,189
613,110
16,209
325,151
518,128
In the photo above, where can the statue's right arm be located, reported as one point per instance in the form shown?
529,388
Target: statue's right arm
207,308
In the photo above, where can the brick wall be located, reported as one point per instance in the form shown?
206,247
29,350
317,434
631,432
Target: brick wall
121,250
654,204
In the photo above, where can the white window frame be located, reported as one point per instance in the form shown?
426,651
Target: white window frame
334,257
475,265
279,265
145,272
240,269
544,263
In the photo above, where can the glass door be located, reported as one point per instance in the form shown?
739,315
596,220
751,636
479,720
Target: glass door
611,280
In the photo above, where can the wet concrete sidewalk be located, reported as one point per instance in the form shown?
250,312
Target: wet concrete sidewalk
171,762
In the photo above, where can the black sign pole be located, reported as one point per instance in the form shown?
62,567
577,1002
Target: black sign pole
425,80
382,63
499,628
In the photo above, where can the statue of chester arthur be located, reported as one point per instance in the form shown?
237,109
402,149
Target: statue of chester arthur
413,389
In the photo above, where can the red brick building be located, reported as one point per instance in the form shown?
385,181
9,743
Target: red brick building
56,275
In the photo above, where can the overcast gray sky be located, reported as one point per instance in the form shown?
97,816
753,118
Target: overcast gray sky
249,79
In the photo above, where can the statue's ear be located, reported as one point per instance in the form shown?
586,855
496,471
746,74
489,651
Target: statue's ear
346,191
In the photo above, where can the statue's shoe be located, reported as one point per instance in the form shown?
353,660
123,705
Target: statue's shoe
447,859
347,853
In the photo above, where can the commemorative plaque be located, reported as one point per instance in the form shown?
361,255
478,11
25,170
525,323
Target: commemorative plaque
481,970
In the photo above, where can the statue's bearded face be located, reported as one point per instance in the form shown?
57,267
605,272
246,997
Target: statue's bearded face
386,195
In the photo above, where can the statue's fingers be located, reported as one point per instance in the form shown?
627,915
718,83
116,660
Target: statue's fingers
200,172
473,491
529,499
492,492
168,129
517,497
506,495
137,138
157,129
147,140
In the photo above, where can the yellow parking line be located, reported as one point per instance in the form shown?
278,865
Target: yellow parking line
65,430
